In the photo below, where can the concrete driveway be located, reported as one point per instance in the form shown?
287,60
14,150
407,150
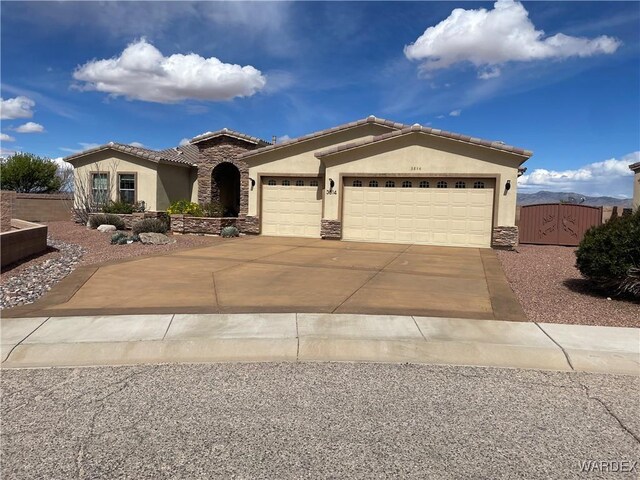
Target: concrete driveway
276,274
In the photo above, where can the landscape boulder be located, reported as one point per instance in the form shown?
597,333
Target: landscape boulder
155,239
107,228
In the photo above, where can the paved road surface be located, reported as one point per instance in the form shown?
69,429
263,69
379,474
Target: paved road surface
314,421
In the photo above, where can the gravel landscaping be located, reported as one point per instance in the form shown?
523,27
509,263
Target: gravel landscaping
551,289
71,245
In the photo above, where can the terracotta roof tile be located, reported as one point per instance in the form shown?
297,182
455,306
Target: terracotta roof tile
153,155
229,133
429,131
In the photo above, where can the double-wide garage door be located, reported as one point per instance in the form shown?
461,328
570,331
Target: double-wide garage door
291,206
432,211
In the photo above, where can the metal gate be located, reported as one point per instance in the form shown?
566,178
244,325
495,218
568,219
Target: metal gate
557,223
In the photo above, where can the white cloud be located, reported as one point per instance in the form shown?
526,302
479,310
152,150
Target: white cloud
142,72
84,146
609,177
18,107
283,138
137,144
455,113
30,127
6,138
184,141
6,152
488,38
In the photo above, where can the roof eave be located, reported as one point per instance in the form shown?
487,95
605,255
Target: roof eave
635,167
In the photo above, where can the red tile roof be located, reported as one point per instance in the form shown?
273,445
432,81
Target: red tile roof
164,156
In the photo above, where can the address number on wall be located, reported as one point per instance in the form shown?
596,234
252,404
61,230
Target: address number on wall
413,169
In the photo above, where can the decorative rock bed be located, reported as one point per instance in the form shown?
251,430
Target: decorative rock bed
31,283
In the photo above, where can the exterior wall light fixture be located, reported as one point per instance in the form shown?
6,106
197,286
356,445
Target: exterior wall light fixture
332,184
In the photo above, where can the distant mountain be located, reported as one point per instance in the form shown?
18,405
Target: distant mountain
557,197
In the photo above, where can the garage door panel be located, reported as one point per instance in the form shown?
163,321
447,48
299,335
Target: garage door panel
291,210
436,216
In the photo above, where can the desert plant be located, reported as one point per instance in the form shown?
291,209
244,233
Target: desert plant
118,207
106,219
150,225
213,209
117,237
609,255
185,207
229,231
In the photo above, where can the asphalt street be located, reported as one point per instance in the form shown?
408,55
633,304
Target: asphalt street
316,420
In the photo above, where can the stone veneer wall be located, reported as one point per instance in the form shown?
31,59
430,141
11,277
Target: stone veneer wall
131,218
214,152
7,203
251,225
504,237
331,229
208,225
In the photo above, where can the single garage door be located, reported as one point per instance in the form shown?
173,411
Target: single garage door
291,207
430,211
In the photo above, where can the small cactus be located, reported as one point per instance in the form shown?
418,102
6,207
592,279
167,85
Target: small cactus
230,231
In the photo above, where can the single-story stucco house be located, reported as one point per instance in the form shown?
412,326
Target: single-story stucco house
372,180
636,185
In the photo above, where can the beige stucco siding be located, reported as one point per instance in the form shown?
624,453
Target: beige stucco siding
300,159
173,184
636,190
420,155
113,163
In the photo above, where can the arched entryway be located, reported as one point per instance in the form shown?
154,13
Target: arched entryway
225,188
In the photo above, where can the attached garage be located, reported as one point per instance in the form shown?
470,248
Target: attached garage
427,211
291,206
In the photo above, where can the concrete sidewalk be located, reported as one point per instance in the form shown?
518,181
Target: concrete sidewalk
290,337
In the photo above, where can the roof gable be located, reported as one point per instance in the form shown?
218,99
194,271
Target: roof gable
229,133
329,131
418,129
164,156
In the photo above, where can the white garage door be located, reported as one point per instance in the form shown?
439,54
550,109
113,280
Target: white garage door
291,207
430,211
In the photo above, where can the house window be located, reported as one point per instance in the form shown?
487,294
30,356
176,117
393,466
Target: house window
441,184
424,184
127,187
299,183
286,183
478,185
406,184
357,183
390,184
271,182
460,184
313,183
373,183
100,188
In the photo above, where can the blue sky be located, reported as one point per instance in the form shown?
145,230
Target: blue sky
559,78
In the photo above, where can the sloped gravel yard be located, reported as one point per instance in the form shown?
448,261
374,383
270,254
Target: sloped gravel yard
71,245
551,289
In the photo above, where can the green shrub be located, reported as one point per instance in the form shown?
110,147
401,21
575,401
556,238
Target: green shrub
118,207
117,237
185,207
609,255
150,225
106,219
230,231
213,209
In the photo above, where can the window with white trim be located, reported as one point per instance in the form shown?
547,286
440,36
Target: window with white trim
390,184
423,184
406,184
441,184
357,183
373,183
299,183
271,182
127,187
286,183
460,184
478,184
313,183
